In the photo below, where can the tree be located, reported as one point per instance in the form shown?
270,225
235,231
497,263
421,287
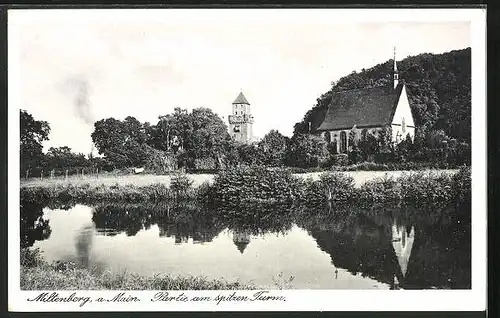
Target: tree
33,134
368,145
197,135
64,158
123,143
250,154
273,146
306,151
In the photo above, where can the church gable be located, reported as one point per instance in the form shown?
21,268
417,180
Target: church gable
403,111
402,122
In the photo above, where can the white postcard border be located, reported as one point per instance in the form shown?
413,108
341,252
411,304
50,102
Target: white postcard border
296,300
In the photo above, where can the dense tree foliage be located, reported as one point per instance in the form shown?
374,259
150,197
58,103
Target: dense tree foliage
438,85
33,133
306,151
273,147
64,158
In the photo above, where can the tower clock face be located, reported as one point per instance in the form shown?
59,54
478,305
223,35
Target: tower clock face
236,128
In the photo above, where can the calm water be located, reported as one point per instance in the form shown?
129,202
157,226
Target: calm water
327,247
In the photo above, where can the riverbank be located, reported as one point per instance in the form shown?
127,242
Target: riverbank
259,185
36,274
360,177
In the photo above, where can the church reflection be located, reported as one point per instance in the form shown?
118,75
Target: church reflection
241,238
402,242
405,247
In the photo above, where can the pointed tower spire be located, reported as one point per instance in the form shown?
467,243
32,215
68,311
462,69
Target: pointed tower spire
396,77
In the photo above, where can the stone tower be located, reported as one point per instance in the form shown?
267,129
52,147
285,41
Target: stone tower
241,120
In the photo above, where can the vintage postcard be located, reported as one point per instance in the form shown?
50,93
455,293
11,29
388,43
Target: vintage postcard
247,159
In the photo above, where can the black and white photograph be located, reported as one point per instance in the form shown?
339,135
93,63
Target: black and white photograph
246,157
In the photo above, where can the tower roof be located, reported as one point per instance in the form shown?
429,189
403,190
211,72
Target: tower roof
241,99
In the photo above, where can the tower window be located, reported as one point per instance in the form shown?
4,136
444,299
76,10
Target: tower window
403,125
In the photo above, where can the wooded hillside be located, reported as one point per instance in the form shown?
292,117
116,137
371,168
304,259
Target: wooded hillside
438,86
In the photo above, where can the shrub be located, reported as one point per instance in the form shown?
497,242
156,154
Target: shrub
380,190
205,192
337,186
311,191
254,184
426,186
340,159
31,257
180,183
355,156
462,184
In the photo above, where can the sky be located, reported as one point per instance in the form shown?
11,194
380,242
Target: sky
74,67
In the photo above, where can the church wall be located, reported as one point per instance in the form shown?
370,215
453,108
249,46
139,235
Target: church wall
335,135
402,123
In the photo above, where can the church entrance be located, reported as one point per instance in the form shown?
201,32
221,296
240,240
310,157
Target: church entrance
343,142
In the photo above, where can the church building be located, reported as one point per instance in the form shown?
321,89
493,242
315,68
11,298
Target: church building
241,120
369,110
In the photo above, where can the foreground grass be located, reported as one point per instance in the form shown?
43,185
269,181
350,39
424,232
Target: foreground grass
67,276
49,278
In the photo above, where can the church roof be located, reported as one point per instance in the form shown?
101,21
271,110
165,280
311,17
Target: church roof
241,99
363,107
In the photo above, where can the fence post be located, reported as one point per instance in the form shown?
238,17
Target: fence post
41,175
66,176
97,173
27,174
83,173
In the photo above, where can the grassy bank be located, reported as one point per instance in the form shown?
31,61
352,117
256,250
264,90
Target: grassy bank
179,187
261,185
36,274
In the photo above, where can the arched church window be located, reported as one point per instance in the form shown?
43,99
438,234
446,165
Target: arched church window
343,142
328,137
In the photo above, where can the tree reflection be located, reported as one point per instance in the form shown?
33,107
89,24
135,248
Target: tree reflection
33,226
411,246
408,246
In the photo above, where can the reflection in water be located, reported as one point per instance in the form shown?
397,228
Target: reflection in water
34,227
241,239
402,242
83,243
398,246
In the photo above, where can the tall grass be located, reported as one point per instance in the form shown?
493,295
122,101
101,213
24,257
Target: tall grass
36,274
180,187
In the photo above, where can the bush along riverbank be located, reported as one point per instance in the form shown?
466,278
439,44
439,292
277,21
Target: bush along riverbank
180,188
37,274
262,185
244,185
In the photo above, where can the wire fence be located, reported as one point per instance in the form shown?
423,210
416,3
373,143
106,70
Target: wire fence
78,172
